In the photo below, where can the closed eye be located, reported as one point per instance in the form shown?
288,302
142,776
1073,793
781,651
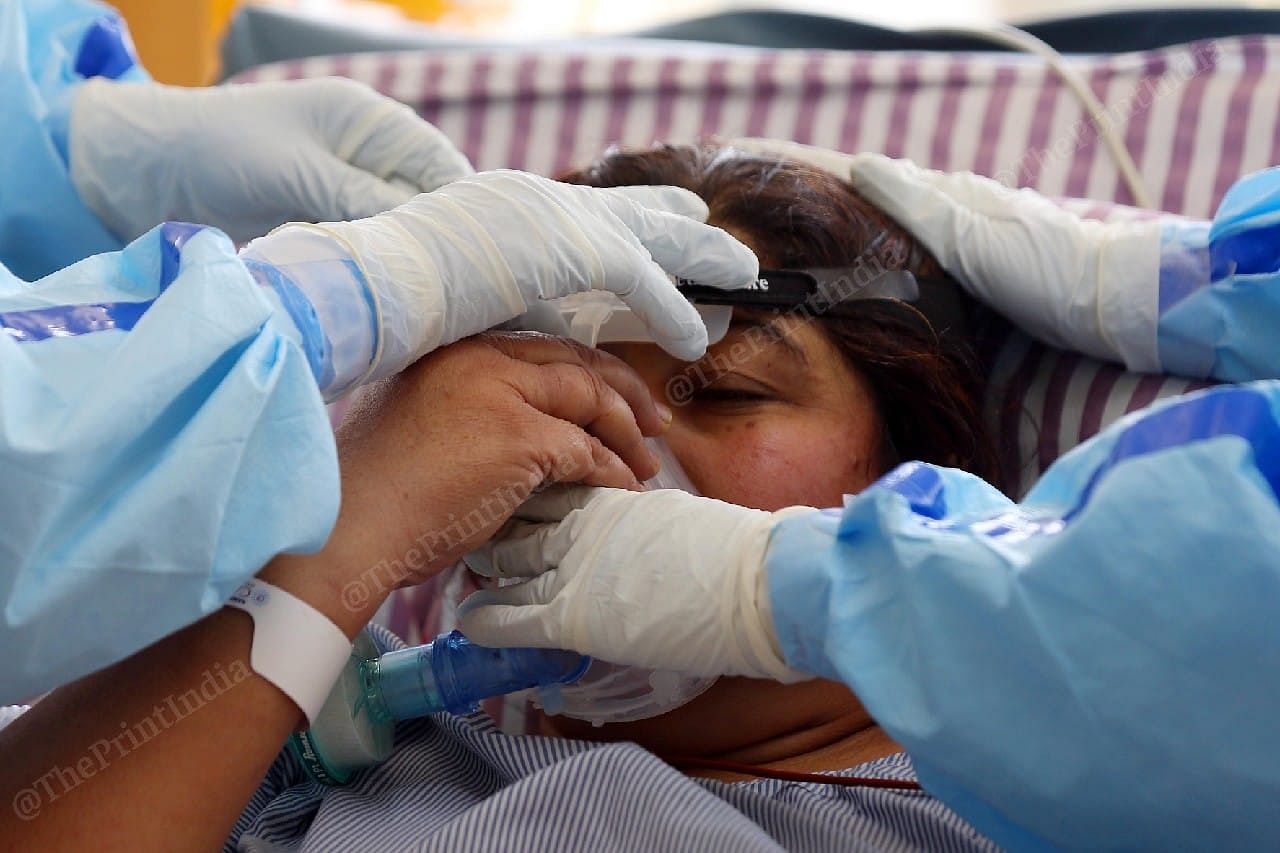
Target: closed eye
729,396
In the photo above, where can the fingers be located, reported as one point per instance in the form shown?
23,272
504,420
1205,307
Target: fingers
552,505
576,394
837,163
538,537
542,349
400,145
348,192
539,549
387,139
541,590
670,199
490,618
951,213
685,247
672,321
522,550
682,247
895,186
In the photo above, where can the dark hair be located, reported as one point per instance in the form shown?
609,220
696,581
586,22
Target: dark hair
928,386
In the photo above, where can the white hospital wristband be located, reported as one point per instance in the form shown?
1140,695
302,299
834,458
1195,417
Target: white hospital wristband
295,646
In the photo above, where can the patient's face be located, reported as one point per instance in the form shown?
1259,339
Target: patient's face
767,421
788,423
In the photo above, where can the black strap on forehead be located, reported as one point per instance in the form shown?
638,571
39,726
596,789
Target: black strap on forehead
842,291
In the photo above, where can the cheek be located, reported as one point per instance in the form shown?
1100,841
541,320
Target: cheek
769,462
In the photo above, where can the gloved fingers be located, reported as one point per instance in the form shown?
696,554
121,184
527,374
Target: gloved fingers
672,321
481,561
920,201
981,231
555,503
403,186
684,247
895,186
579,395
352,193
478,560
538,590
522,549
377,134
490,621
631,273
836,162
899,186
399,146
543,349
916,198
675,200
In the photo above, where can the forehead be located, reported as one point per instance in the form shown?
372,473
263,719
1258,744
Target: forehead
789,335
767,340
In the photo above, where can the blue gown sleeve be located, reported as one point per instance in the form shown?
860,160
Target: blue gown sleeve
47,48
1219,299
162,436
1091,668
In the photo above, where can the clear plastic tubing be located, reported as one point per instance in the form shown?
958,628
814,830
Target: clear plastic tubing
452,674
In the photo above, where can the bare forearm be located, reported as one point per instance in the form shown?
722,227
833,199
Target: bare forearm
164,749
160,751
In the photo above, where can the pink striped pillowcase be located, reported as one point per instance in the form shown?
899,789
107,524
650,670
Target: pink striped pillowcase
1195,117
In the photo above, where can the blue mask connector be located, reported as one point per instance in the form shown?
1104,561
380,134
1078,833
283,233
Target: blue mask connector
453,674
355,728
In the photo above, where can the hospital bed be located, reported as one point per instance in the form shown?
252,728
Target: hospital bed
1194,117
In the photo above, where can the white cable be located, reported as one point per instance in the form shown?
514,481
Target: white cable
1009,36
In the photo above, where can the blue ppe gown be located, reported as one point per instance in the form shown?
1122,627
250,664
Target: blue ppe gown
47,48
162,437
1219,297
162,433
1096,666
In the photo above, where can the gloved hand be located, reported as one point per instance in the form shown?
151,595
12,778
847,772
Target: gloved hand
664,580
1089,286
249,158
485,249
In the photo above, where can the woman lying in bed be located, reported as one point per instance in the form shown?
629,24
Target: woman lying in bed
872,387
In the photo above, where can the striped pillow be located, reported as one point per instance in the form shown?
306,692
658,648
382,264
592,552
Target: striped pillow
1195,117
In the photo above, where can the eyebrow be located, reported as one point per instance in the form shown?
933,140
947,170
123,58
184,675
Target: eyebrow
773,327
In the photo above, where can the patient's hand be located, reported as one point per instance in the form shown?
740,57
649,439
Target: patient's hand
434,460
432,463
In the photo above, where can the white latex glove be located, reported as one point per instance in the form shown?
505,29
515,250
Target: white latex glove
664,580
249,158
1089,286
485,249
